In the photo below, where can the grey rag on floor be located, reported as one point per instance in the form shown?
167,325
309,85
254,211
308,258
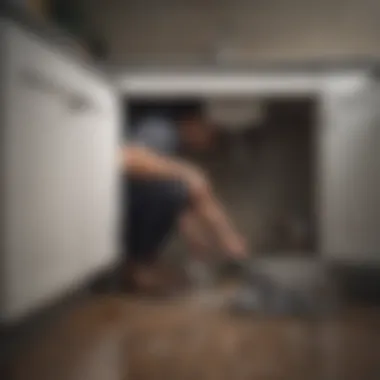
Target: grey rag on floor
262,293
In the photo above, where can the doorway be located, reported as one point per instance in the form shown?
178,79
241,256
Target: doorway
265,175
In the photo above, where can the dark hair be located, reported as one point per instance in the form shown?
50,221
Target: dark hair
171,109
138,110
189,112
97,48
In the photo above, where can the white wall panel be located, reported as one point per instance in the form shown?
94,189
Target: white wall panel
349,186
60,175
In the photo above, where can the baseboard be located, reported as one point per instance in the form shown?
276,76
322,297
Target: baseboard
359,284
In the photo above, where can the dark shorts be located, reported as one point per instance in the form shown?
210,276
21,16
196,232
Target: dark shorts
152,210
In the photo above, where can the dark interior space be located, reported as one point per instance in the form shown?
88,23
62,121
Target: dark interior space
137,108
264,174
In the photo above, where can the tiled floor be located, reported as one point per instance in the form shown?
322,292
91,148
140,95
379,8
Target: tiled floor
110,338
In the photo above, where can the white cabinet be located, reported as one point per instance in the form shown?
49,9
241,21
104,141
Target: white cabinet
60,175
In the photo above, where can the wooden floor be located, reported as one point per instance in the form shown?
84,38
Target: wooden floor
110,338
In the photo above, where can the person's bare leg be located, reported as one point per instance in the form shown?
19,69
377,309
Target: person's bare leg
193,231
209,209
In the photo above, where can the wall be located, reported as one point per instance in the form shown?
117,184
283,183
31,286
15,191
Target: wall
190,31
349,191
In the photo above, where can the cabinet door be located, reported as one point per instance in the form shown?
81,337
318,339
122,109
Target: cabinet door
95,178
60,177
349,186
39,217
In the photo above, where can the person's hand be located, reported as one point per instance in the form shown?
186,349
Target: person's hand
236,247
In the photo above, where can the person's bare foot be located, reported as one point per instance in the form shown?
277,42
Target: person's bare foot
154,280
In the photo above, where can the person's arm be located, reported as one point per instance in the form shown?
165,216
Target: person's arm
140,162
